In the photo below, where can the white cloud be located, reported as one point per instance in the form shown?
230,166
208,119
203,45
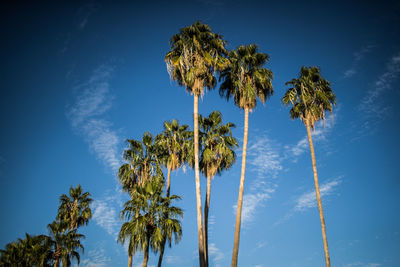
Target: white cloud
360,264
85,116
172,259
309,199
215,253
357,57
263,157
106,216
370,105
96,258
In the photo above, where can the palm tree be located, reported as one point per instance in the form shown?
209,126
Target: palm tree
217,155
147,212
245,80
143,163
64,243
196,53
173,143
30,251
310,96
75,208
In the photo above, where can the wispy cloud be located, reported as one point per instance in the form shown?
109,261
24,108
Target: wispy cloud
370,106
361,264
308,199
84,13
357,57
169,259
264,159
86,116
216,254
96,258
106,216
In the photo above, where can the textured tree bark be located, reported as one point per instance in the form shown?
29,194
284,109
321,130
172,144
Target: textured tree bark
162,249
241,189
197,180
168,181
321,212
130,261
206,209
146,253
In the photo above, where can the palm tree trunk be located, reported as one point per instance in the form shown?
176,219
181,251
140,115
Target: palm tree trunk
241,189
162,248
206,209
146,252
197,180
168,181
321,212
56,262
130,261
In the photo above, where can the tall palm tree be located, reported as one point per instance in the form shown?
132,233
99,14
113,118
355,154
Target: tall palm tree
65,243
173,146
75,208
196,53
217,154
245,80
143,163
146,212
310,96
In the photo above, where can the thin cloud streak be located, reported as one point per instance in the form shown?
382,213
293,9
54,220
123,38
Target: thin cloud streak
308,200
106,216
370,105
96,258
358,56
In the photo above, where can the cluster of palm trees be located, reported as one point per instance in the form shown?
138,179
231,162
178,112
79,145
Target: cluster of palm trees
150,219
197,55
63,243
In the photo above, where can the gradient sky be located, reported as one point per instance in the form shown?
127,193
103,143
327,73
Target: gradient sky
77,80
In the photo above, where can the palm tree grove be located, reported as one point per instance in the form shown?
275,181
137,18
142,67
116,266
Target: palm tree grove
197,60
223,129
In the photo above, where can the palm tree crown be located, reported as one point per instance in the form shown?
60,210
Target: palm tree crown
143,162
310,96
151,218
246,80
217,144
196,53
75,208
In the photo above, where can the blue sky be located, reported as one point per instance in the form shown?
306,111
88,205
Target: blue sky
77,80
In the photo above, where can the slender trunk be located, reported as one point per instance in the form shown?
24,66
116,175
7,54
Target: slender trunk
168,181
206,209
241,189
146,252
197,180
56,262
130,261
321,212
160,258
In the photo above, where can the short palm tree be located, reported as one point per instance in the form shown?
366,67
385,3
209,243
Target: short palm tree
217,154
310,96
147,212
30,251
196,53
64,243
172,143
75,208
245,80
142,163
